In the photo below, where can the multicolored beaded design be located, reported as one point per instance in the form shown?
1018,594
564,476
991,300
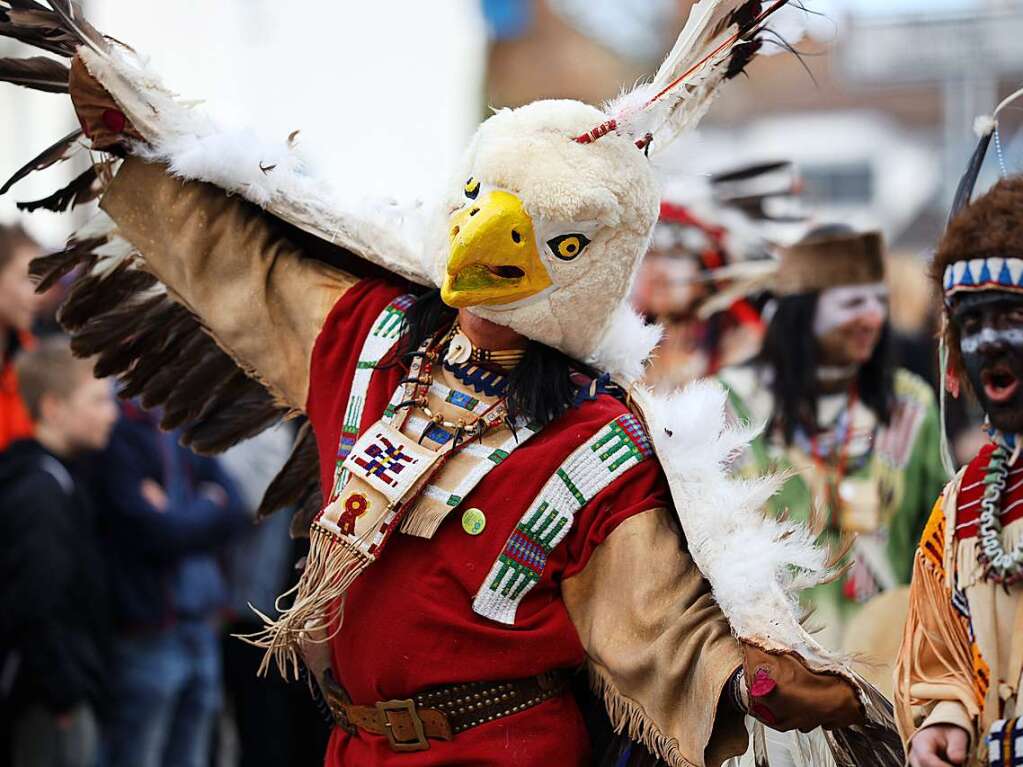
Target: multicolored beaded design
1000,566
481,380
608,454
378,343
1005,743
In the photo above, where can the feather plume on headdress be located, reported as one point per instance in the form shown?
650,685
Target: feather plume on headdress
720,38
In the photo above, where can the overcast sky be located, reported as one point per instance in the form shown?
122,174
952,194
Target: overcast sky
899,6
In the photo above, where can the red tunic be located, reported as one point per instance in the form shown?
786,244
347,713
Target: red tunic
409,622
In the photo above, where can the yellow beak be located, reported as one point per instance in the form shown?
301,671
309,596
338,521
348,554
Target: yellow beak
493,258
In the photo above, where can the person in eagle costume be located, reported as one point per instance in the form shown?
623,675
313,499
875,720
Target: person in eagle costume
492,499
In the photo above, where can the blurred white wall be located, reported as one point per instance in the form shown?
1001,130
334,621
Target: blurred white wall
385,94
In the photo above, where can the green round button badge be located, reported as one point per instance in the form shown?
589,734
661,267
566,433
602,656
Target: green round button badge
473,521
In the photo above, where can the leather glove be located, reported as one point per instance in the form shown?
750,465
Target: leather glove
101,118
783,693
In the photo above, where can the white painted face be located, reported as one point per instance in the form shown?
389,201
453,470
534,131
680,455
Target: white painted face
543,234
841,305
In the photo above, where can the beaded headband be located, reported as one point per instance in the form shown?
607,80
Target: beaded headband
991,273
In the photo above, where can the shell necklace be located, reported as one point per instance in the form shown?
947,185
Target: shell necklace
1000,566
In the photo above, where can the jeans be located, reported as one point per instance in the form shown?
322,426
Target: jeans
42,739
166,698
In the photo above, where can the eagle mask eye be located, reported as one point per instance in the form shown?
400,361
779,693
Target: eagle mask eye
472,188
567,247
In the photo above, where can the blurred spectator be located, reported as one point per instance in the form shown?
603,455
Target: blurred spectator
259,564
166,513
18,304
672,284
859,436
54,621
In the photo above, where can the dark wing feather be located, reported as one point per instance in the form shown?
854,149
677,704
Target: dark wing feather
61,150
39,73
70,14
158,349
289,487
876,743
185,403
80,191
306,511
297,485
226,421
46,270
120,315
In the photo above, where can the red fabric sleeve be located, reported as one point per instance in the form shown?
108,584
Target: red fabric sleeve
642,488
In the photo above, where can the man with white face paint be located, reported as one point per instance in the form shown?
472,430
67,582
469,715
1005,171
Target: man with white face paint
958,676
859,434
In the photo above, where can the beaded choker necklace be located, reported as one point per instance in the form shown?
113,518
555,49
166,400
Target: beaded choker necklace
461,350
1000,566
420,380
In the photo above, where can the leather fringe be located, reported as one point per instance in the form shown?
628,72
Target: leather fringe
968,569
331,568
628,716
423,520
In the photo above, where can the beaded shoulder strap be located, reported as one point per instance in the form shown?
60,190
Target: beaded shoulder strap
381,339
613,450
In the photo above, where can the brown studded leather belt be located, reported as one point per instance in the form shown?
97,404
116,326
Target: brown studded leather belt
440,713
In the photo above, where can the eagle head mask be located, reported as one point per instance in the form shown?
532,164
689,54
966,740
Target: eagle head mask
542,233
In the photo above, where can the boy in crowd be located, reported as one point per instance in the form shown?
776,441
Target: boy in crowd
54,621
18,303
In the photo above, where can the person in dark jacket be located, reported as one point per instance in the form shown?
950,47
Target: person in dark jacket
54,621
167,513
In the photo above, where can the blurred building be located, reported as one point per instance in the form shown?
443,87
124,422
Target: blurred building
385,95
876,111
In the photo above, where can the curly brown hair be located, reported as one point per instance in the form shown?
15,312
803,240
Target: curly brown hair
992,225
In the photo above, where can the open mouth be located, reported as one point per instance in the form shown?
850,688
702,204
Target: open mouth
1000,382
506,272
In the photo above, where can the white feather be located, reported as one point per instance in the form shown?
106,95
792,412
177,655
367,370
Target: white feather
626,345
683,106
99,225
984,125
756,564
268,173
110,255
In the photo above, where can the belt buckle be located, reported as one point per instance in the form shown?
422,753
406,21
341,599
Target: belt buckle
407,706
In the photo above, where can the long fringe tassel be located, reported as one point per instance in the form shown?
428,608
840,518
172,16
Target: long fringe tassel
331,568
627,716
424,520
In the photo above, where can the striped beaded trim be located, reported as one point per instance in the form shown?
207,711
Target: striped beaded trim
487,459
594,465
381,339
991,273
1005,743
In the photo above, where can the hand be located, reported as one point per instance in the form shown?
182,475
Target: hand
939,745
154,494
214,492
101,118
786,695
